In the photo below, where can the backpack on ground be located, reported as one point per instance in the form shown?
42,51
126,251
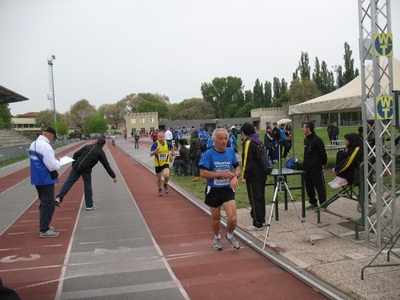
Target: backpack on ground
291,163
265,161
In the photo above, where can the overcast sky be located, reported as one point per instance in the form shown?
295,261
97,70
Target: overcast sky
108,49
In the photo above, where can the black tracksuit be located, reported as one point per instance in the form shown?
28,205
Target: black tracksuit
255,178
314,159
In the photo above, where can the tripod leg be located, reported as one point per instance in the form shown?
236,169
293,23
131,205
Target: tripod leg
277,188
298,213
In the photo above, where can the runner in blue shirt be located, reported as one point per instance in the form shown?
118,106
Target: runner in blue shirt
220,167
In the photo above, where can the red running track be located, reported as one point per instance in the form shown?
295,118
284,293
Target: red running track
182,231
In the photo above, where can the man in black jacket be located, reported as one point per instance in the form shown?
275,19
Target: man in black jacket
314,160
85,159
253,175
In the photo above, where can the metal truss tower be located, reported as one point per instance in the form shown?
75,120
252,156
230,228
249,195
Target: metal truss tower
378,111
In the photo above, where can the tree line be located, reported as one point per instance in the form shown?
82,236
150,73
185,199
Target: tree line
223,97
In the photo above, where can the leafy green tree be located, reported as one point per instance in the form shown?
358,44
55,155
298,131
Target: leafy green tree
5,116
248,96
304,66
61,127
221,93
284,87
114,113
268,94
194,108
95,123
131,102
349,73
327,83
45,118
281,101
244,111
316,76
258,94
79,111
276,88
150,106
301,91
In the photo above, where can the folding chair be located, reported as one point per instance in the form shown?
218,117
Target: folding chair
351,192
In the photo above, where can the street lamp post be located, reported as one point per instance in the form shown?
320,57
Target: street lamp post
50,63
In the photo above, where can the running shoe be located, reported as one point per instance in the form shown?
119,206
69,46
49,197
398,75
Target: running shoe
48,234
217,244
339,182
160,192
166,188
91,208
234,243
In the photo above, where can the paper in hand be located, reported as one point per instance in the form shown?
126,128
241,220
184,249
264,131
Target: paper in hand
66,160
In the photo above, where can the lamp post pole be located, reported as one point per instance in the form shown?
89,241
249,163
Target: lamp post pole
50,63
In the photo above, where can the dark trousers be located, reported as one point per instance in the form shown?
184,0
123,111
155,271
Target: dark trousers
256,194
47,205
177,164
87,181
314,180
287,148
195,166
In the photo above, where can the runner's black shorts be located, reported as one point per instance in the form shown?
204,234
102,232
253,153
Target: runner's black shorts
159,169
215,197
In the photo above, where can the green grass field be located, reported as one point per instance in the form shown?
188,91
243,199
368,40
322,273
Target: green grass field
197,188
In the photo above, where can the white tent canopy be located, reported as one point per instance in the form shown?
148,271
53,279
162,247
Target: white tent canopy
345,99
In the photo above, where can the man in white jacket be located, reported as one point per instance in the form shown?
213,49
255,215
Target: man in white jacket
43,163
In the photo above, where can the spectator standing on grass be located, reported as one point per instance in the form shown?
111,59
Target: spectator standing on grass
329,129
195,154
232,141
276,137
220,167
269,143
314,160
43,161
203,136
253,175
289,138
210,142
335,133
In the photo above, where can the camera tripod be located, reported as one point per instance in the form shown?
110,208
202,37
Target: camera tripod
279,183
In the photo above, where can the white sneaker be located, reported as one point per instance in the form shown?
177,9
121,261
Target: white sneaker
254,228
48,234
217,244
91,208
340,182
